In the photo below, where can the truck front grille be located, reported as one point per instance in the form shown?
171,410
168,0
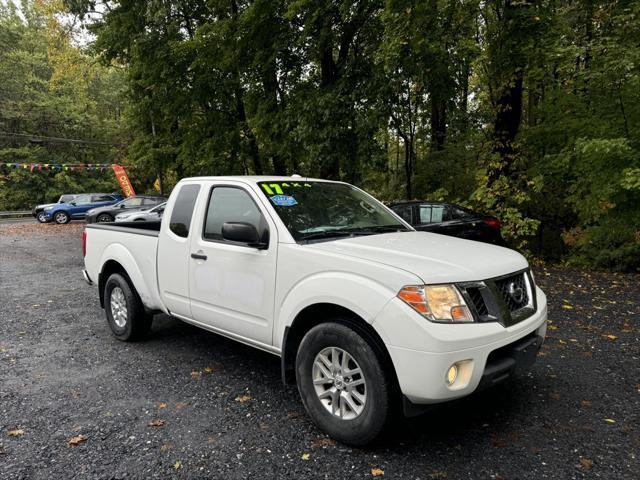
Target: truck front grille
514,291
508,299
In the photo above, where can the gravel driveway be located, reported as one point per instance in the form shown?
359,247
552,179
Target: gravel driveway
76,403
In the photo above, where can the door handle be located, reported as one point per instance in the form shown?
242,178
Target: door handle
198,256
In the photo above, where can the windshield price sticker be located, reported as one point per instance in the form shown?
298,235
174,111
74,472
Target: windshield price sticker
276,188
283,200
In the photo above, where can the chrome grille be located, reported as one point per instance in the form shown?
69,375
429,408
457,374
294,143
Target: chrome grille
508,299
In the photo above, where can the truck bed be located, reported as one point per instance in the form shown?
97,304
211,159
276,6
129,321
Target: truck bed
134,246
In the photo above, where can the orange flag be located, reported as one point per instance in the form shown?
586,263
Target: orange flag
123,179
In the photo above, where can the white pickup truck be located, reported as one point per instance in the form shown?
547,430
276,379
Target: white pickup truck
366,313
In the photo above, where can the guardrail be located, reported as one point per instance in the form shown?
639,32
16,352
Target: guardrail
15,214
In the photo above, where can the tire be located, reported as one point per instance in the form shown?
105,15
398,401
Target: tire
372,399
104,218
61,218
42,217
125,313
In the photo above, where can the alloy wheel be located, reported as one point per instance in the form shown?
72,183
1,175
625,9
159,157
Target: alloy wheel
118,307
339,383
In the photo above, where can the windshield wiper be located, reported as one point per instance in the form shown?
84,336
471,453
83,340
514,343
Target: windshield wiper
335,233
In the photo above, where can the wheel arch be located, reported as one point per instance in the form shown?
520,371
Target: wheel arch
317,314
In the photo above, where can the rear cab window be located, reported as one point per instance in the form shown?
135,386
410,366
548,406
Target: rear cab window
182,212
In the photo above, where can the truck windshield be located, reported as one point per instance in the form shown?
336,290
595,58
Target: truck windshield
324,210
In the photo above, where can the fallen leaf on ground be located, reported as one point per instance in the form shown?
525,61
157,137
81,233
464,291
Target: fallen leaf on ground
177,465
586,463
158,422
306,456
323,442
162,405
377,472
610,337
243,398
567,307
166,447
208,370
609,420
195,374
18,432
585,403
77,440
180,405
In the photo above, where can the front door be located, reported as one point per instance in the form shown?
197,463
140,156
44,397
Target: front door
232,284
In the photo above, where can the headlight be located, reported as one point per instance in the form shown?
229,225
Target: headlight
122,217
48,208
438,303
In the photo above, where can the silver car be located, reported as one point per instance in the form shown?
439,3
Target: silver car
149,215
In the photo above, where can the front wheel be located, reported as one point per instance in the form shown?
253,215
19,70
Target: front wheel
104,218
42,217
125,313
61,218
343,383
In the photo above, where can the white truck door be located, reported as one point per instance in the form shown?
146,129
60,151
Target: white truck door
173,250
232,284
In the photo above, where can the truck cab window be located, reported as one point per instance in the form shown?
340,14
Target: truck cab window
183,210
229,204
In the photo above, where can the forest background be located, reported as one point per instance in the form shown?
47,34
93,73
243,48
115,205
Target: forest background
525,109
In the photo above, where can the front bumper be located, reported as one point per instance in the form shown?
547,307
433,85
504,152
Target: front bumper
485,353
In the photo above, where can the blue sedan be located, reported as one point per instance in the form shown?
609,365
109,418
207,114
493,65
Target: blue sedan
62,213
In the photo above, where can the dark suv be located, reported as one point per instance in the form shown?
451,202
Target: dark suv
449,219
108,213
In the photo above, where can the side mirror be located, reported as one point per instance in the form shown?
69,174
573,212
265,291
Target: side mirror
122,205
72,203
243,233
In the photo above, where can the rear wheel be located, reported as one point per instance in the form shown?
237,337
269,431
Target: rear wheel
343,383
125,313
104,218
61,218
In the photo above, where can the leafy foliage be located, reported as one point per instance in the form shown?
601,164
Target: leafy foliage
50,88
526,109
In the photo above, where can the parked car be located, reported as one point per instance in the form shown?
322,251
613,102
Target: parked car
38,210
365,312
77,208
149,215
108,213
449,219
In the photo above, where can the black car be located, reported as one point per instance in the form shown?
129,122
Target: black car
449,219
108,213
38,210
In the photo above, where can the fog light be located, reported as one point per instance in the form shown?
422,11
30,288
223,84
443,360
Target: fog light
452,374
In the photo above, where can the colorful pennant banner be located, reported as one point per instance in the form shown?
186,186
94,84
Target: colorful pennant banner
59,166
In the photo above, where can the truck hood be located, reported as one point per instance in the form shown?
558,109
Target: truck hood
432,257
